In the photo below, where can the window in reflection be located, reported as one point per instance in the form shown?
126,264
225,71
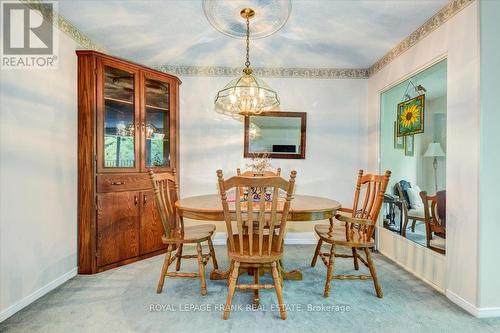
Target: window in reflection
414,204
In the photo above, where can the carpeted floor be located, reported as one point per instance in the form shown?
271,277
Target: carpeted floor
124,300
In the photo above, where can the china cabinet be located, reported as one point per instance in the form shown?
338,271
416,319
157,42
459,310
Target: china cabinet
127,124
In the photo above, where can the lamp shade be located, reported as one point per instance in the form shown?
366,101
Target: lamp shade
434,150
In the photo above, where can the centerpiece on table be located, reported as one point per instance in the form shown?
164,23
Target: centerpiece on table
259,164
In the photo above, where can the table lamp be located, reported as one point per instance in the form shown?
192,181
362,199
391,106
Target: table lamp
434,150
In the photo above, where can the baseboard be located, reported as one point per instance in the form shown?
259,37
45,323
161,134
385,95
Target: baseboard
488,312
471,308
412,272
4,314
466,305
292,238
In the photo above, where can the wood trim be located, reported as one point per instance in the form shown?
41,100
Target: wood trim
86,188
302,115
125,63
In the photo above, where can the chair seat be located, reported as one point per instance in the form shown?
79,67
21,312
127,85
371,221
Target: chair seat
438,242
255,258
192,234
337,235
416,212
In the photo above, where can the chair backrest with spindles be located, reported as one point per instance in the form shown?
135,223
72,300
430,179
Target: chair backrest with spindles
251,216
167,193
372,187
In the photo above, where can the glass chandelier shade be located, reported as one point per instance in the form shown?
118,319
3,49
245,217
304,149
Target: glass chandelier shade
246,95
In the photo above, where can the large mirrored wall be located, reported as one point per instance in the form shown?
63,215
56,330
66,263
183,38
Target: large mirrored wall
413,146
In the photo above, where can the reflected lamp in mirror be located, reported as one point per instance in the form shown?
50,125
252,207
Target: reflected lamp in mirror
277,134
434,150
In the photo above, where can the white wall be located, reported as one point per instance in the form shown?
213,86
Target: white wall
38,177
335,137
458,40
489,270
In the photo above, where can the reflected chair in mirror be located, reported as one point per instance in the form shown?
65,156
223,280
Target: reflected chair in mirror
250,245
435,227
410,213
354,232
176,235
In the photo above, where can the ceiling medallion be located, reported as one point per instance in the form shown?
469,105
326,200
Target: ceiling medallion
247,94
223,16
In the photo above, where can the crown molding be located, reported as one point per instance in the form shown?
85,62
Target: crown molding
447,12
280,72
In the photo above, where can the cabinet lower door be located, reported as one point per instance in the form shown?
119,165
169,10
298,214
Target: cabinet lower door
151,226
117,227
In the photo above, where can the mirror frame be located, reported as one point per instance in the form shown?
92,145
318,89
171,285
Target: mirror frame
303,121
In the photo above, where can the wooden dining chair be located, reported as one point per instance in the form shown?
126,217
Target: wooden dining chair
435,231
257,247
176,235
354,231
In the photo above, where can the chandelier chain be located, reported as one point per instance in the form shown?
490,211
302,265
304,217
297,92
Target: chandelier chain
247,62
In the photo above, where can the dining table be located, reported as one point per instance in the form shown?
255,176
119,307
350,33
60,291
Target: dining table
303,208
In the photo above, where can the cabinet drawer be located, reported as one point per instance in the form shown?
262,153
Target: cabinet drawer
123,182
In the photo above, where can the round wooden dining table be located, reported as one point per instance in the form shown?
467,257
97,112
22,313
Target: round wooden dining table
303,208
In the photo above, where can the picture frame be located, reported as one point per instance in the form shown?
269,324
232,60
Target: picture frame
399,141
410,116
409,145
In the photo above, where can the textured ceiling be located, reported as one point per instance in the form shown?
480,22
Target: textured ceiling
319,33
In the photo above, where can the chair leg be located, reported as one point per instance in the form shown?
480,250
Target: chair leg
232,286
355,258
413,225
373,273
405,225
329,271
316,252
231,266
164,270
212,253
201,269
281,271
279,292
256,298
179,255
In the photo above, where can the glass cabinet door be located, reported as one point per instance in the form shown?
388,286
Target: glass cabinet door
118,120
157,123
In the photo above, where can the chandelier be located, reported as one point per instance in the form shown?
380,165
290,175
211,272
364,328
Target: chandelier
247,94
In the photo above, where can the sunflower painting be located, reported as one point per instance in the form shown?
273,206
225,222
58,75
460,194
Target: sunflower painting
410,116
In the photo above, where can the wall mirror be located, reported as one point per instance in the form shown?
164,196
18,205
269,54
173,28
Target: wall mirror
279,134
413,146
